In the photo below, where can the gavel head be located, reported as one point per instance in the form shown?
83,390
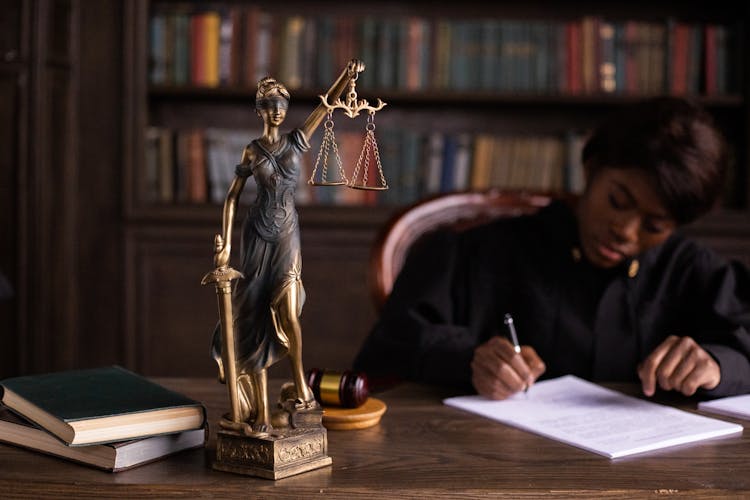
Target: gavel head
348,389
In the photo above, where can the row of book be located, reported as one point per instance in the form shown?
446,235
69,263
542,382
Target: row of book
106,417
218,45
197,165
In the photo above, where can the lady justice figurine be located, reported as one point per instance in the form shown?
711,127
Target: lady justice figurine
259,319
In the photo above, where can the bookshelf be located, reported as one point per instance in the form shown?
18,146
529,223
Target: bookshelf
216,52
481,77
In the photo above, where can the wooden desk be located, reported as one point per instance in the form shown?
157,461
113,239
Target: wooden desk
420,449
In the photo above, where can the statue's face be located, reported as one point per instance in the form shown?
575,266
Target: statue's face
272,109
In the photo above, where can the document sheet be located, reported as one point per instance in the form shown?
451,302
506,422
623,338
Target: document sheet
595,418
734,406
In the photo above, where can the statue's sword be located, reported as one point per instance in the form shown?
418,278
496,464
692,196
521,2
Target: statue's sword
222,278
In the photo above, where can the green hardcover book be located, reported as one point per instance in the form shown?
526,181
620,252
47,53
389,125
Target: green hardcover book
100,405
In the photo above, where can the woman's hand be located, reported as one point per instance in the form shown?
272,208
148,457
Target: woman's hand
498,371
679,364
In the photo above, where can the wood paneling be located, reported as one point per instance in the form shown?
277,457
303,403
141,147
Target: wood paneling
99,231
13,78
60,224
170,317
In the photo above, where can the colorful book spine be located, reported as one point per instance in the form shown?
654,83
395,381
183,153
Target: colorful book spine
607,64
251,34
368,30
157,49
204,48
290,66
590,54
679,35
574,57
181,66
710,65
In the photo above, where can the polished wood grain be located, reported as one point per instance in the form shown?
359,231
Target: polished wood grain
420,449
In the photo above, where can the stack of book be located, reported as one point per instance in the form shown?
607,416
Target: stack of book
108,417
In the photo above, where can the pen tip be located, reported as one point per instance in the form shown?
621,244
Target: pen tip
508,318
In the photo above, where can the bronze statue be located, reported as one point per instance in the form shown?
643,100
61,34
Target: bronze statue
266,303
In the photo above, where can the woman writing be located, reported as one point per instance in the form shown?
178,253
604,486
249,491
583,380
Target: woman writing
605,289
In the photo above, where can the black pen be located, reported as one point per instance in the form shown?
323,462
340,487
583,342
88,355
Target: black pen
508,320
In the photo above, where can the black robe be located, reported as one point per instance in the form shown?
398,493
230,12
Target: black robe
598,324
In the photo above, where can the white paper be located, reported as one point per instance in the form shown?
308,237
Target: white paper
733,406
597,419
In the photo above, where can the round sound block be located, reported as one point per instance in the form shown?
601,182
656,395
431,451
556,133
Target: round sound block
344,419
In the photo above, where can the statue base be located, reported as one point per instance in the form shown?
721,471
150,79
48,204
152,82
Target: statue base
281,453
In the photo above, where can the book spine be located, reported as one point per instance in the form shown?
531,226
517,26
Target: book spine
481,162
290,44
237,46
327,30
574,57
226,29
166,166
150,189
157,49
449,161
462,162
197,185
181,48
659,64
695,59
409,177
678,78
387,51
710,64
434,156
211,43
263,46
489,56
442,55
368,29
607,66
590,53
250,49
632,49
621,49
197,54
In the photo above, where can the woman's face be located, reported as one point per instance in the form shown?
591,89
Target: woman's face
273,110
620,216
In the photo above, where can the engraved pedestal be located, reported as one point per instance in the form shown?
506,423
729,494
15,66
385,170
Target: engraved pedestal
282,453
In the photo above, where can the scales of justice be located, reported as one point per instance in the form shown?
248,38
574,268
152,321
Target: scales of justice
260,304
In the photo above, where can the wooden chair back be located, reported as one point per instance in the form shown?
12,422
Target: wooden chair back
455,210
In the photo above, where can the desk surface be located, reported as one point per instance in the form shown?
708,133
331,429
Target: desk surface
420,449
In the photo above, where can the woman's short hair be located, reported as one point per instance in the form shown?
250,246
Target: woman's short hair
674,140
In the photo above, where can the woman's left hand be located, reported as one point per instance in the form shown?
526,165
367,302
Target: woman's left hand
679,364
